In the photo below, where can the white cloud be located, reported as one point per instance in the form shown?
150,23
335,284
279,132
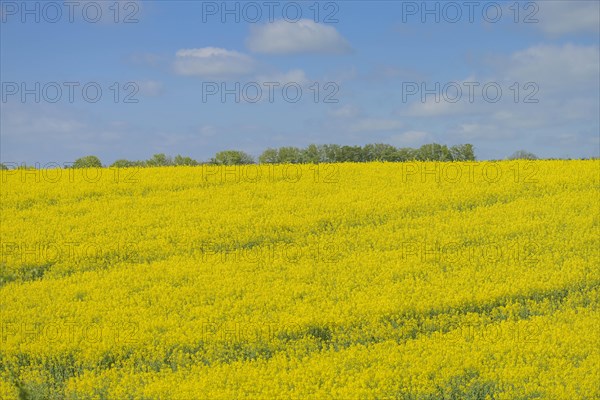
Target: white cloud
565,17
470,128
409,138
470,131
375,125
555,67
32,123
294,76
385,73
347,111
150,88
213,62
207,131
51,133
304,36
563,121
441,103
433,108
556,76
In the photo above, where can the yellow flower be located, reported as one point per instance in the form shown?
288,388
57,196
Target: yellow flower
378,280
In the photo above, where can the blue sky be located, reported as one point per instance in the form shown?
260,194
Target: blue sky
398,72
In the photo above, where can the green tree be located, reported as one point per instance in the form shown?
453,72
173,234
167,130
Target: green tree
522,155
87,162
379,152
122,163
289,155
405,154
332,153
313,154
159,160
351,154
232,157
462,152
269,156
434,152
181,161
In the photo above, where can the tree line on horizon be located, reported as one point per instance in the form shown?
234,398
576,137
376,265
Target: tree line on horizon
312,154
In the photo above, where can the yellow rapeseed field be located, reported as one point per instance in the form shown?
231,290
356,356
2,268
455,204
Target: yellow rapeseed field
408,280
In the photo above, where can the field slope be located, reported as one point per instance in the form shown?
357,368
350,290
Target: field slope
379,280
